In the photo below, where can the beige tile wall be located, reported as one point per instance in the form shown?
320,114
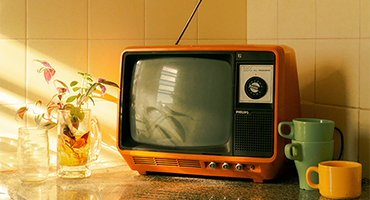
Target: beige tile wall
331,39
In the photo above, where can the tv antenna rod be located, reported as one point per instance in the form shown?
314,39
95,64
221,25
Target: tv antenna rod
188,22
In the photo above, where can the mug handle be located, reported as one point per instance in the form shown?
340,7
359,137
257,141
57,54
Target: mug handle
308,176
290,135
95,139
296,149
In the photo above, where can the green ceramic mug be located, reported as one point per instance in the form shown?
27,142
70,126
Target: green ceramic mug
307,154
308,130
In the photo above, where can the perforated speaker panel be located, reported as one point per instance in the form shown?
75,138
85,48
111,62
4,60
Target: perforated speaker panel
254,134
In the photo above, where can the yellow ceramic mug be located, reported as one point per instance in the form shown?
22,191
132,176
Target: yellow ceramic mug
337,179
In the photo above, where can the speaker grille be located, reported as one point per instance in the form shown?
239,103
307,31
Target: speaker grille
254,134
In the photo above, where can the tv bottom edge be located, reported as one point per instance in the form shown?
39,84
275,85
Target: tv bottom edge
258,169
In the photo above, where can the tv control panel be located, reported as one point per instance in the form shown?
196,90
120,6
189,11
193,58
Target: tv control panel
256,83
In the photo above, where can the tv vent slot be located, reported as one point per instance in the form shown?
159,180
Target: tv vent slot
143,160
166,162
189,163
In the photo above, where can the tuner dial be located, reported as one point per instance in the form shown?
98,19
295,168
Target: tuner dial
255,87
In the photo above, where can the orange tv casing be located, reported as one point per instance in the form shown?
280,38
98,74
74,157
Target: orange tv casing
286,107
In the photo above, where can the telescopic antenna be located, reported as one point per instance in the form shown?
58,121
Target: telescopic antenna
187,23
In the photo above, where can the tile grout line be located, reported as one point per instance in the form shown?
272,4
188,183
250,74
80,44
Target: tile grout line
359,81
277,22
246,21
145,23
315,61
87,37
26,66
197,15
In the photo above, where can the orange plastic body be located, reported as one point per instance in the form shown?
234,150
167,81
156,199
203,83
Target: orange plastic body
286,105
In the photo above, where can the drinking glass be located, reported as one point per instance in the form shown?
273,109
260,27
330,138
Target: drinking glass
33,154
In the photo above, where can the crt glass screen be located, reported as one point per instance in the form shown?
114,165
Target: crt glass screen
182,101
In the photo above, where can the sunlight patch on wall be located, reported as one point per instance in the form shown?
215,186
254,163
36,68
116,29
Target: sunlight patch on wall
12,71
9,96
8,123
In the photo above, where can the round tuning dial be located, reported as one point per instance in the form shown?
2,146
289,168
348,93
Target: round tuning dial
255,87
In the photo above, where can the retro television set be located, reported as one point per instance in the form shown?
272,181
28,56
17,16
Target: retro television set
209,110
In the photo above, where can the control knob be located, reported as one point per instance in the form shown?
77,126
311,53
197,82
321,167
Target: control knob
212,165
239,167
225,166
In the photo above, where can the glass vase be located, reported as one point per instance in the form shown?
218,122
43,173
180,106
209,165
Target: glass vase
78,144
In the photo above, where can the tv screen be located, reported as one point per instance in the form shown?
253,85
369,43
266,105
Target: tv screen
182,101
178,102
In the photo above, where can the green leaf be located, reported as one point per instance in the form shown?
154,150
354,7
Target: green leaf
41,69
73,83
71,98
38,118
92,100
80,115
75,89
22,111
80,99
63,84
91,89
49,125
38,104
78,112
110,83
68,106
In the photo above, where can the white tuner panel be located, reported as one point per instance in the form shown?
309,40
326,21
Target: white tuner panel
256,83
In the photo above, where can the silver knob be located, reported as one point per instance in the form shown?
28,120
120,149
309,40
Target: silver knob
212,165
225,166
239,167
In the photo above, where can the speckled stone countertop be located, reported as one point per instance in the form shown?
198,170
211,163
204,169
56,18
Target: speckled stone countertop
119,182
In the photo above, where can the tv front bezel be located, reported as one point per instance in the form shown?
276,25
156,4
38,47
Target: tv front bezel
129,59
